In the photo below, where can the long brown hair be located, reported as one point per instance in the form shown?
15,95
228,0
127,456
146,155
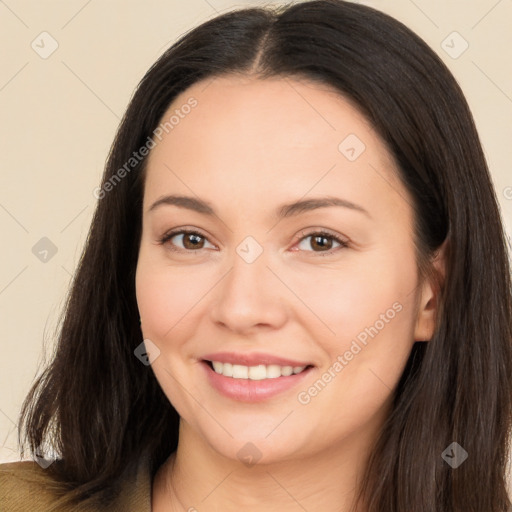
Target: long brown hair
102,410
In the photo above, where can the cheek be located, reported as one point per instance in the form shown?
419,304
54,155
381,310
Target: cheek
154,297
371,310
156,302
370,290
166,295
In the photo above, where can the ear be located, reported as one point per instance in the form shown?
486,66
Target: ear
428,302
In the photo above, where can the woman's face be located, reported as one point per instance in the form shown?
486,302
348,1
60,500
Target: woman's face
258,284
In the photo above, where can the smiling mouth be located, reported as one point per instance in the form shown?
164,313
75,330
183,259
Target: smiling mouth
258,372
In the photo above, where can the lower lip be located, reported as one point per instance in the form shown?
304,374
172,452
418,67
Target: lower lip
247,390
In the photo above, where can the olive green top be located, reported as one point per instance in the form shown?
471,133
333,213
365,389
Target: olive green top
26,487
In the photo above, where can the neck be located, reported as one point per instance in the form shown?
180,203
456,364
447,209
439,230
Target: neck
196,478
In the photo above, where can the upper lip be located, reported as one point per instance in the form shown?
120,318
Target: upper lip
253,359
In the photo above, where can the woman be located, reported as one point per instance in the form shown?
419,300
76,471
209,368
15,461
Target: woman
295,294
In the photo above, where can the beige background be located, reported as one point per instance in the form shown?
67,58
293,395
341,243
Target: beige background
59,115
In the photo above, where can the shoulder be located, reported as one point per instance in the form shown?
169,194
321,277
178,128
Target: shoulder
25,486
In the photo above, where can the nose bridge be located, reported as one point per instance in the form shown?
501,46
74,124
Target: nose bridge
249,293
248,281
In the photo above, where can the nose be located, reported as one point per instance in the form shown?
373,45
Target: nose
250,297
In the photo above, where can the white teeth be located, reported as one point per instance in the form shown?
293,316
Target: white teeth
273,371
260,372
240,372
286,370
227,369
257,372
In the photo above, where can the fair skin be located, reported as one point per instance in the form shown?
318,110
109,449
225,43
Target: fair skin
248,147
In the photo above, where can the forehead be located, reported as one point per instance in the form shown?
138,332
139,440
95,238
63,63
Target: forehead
281,137
270,114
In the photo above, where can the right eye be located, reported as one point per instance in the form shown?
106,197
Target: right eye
192,240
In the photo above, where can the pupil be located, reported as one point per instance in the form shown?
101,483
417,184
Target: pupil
194,240
318,241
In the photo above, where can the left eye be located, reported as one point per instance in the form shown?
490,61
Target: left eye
322,240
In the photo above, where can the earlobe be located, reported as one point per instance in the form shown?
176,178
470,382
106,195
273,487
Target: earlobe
428,302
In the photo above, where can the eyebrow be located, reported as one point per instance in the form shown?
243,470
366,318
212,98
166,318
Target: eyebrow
284,211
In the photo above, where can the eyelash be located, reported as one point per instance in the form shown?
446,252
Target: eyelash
322,233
